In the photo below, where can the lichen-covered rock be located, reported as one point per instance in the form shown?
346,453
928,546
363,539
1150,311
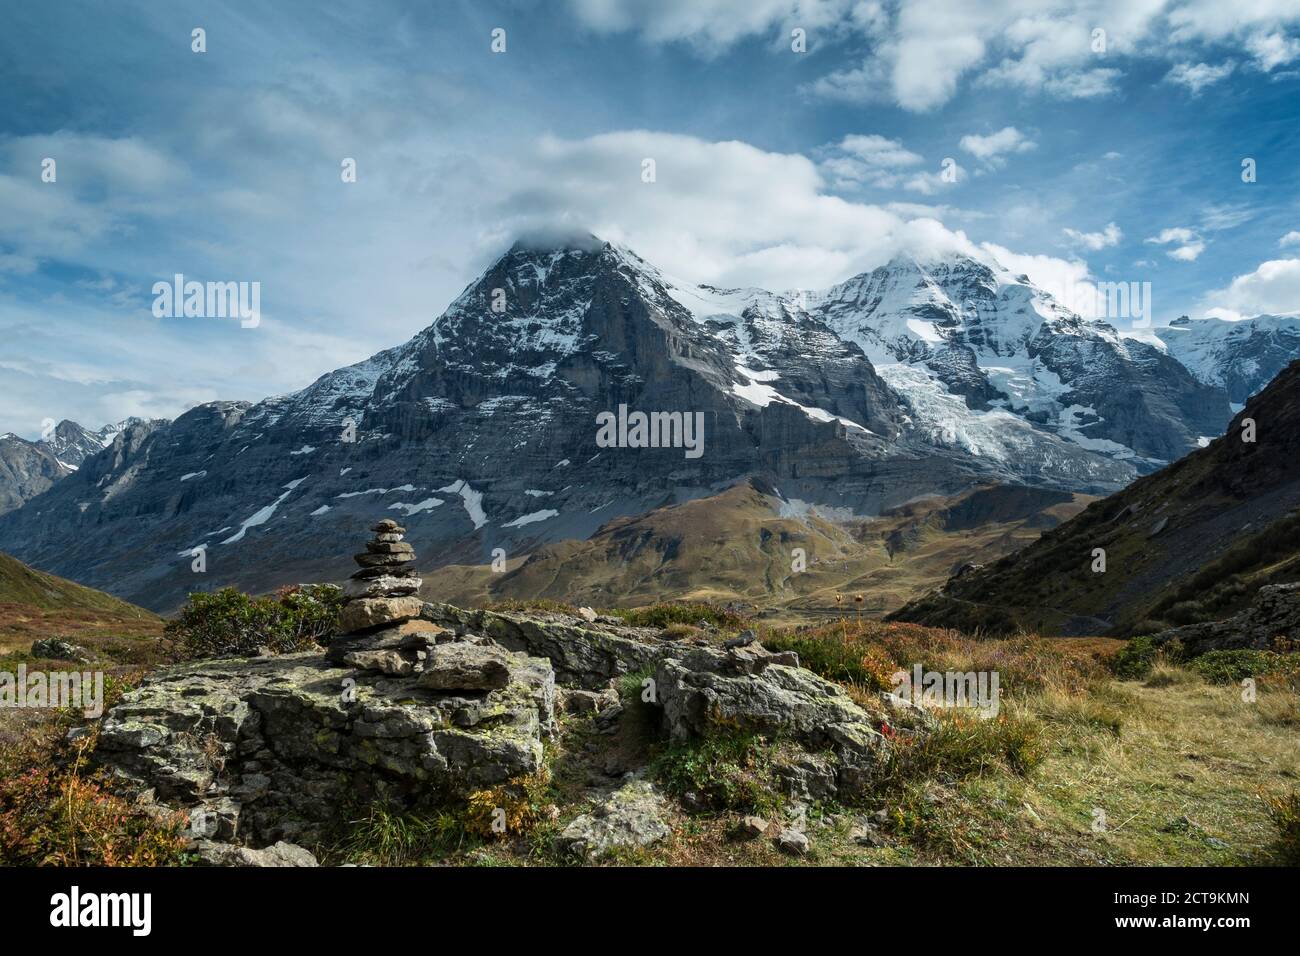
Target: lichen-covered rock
706,690
584,654
276,746
463,666
57,649
277,854
806,776
1274,613
632,816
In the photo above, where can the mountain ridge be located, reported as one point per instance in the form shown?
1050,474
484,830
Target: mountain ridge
479,431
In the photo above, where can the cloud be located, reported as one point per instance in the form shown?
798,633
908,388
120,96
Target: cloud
1188,245
709,27
1292,238
721,212
867,160
922,51
1084,84
1258,27
1274,287
992,149
929,183
1215,217
1067,280
1197,77
1095,241
1272,50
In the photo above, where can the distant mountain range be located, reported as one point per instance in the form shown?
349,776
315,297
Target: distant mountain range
28,468
915,380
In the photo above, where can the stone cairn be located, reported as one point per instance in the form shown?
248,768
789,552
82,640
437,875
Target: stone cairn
379,626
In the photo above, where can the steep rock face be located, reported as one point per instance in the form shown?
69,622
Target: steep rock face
1273,616
72,443
27,469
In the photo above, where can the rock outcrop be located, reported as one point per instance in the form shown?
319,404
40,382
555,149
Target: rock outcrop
274,748
705,690
422,705
1274,614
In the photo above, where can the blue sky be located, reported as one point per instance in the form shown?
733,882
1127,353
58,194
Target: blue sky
773,167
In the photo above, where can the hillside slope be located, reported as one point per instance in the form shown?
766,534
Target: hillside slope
1192,542
36,605
740,546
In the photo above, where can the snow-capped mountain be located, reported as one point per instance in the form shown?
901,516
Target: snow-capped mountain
483,432
72,443
1241,357
29,468
960,328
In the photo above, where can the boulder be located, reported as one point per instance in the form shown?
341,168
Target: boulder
277,854
1274,613
633,816
274,747
705,690
462,666
584,654
793,842
57,649
364,613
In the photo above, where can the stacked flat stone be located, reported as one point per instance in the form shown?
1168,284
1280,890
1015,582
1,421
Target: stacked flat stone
380,626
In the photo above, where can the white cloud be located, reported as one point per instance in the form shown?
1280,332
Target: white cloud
1067,280
727,213
929,183
710,27
1272,50
1188,245
867,160
1274,287
922,51
1084,84
1095,241
992,149
1258,26
1200,75
1292,238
